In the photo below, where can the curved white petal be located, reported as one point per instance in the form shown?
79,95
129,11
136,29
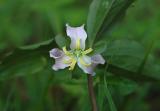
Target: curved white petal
76,33
60,64
59,57
56,53
89,69
94,61
97,59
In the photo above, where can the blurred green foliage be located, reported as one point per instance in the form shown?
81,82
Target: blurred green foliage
128,39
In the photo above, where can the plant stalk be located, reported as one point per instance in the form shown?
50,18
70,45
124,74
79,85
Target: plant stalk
91,93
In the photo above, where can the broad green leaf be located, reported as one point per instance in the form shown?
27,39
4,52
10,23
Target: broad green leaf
28,60
115,14
97,13
126,54
121,72
100,47
124,48
104,13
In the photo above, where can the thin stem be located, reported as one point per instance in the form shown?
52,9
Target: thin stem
91,93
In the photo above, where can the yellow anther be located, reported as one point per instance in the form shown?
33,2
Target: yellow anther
87,51
65,51
72,65
83,63
78,43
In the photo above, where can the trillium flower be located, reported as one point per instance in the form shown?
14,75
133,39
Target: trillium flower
77,54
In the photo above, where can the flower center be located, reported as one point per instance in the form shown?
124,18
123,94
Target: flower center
76,55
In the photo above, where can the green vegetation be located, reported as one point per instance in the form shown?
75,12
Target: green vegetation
125,32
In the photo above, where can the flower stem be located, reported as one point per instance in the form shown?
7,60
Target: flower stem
91,93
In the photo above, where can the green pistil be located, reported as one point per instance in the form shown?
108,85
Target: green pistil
77,53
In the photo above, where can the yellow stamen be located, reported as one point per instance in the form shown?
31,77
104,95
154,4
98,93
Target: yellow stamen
67,61
87,51
72,64
83,63
78,43
65,51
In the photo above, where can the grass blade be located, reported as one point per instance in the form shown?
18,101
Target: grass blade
109,97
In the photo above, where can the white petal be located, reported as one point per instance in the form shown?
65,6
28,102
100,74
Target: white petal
97,59
59,63
74,33
85,59
56,53
94,60
87,69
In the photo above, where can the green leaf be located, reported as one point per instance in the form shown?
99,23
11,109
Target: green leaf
121,72
61,41
115,14
97,13
28,60
100,47
34,46
142,65
126,54
152,69
104,13
121,84
124,48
